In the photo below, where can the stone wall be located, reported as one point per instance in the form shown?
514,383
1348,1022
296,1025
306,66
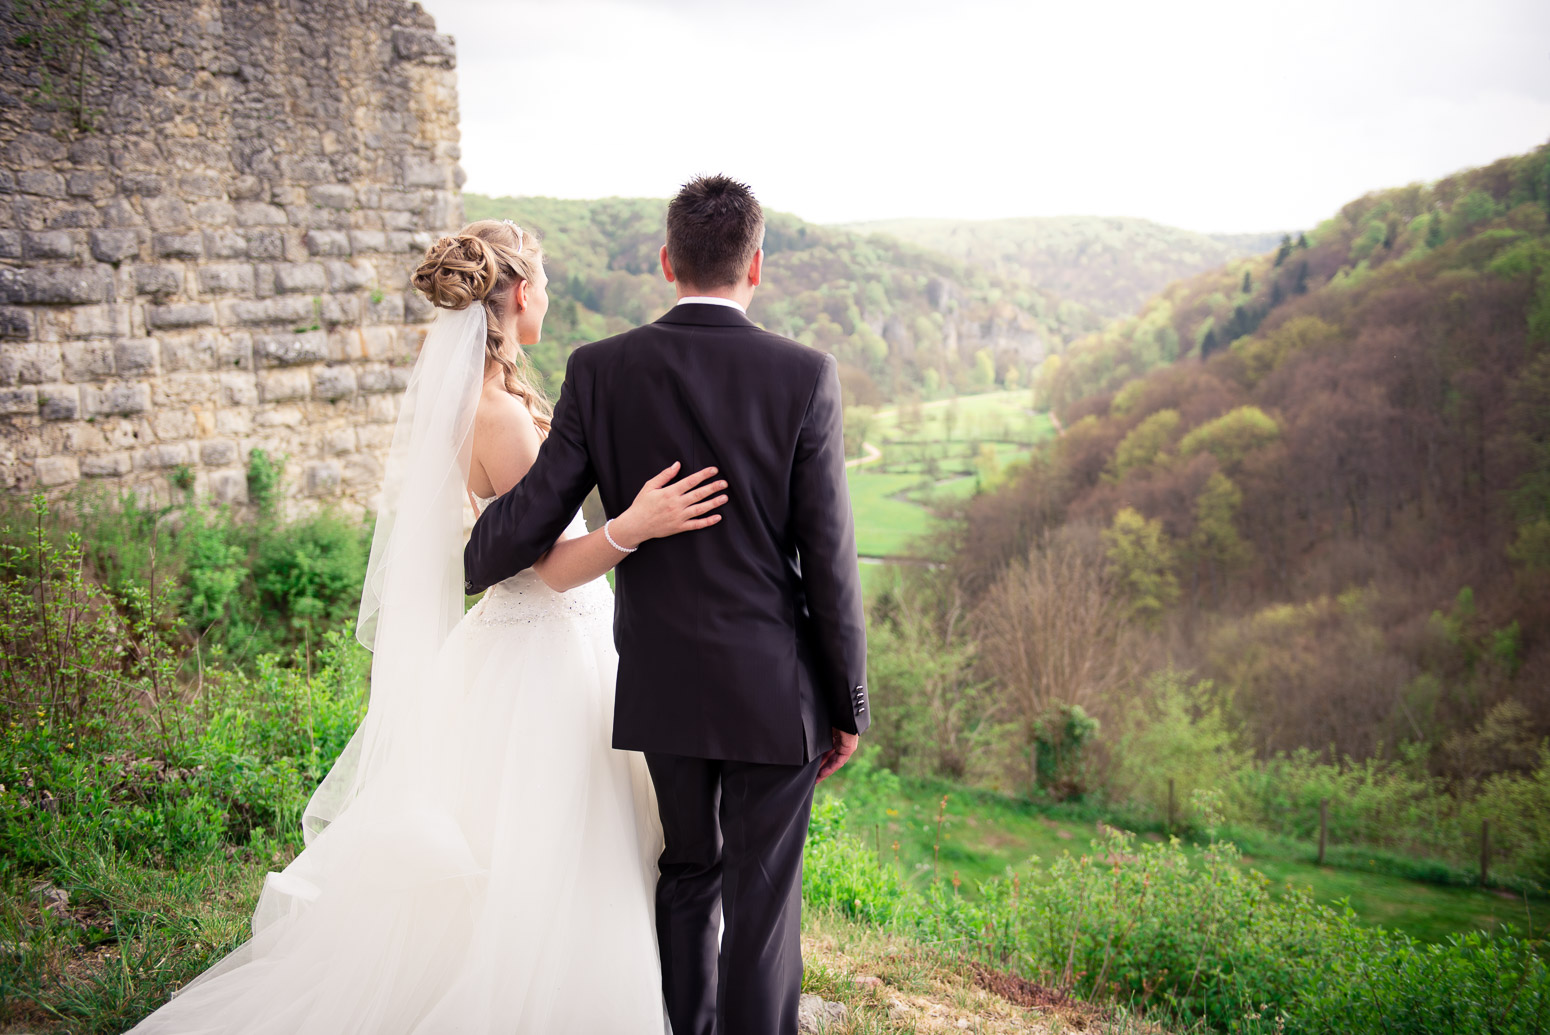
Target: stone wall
222,263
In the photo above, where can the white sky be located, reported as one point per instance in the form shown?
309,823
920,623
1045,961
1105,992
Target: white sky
1216,116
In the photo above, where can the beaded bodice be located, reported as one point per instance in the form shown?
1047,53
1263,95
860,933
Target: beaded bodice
525,599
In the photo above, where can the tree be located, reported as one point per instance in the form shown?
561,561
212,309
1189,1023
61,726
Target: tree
1208,344
1145,443
1215,541
1285,249
1232,436
1434,235
1301,287
1052,634
1302,241
1141,559
1248,283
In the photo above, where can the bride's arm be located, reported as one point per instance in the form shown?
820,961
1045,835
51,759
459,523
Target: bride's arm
507,442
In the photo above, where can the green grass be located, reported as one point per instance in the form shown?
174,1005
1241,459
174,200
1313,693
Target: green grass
934,463
984,833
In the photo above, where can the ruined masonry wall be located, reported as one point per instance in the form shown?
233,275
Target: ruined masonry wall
223,263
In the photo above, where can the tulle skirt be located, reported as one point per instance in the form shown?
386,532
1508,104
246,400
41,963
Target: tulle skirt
500,878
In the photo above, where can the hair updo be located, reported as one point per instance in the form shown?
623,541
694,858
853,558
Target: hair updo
480,264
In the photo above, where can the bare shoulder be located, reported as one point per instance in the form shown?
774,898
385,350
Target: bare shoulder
502,416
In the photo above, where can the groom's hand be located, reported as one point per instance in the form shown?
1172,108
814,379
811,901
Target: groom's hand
844,747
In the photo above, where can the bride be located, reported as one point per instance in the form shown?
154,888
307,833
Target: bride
479,859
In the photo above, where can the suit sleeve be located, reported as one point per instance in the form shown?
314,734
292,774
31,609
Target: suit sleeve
826,546
520,526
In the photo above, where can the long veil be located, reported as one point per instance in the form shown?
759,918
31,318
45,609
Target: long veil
413,593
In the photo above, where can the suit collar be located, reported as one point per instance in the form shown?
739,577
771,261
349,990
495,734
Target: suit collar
701,314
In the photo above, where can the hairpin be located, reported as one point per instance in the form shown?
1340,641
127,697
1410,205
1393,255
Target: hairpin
518,229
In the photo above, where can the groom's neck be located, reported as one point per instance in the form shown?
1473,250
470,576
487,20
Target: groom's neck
742,294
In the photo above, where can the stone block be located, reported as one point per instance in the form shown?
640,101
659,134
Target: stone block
288,350
341,309
201,185
226,279
266,244
385,308
29,363
56,285
56,470
16,322
83,183
382,409
88,360
419,171
192,391
340,440
321,478
284,385
225,244
41,182
96,321
215,213
59,402
288,309
144,184
47,244
75,217
246,186
380,342
332,195
166,213
10,244
368,240
132,356
400,241
349,276
107,465
424,45
328,242
169,422
373,377
417,308
115,245
23,399
333,382
229,487
304,277
187,352
121,399
235,351
256,213
165,455
185,314
218,453
239,390
179,246
404,200
158,280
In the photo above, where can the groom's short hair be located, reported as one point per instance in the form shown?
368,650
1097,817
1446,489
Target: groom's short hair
714,227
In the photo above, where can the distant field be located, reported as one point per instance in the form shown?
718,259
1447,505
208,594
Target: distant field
931,453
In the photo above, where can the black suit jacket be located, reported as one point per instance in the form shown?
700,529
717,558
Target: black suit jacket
744,641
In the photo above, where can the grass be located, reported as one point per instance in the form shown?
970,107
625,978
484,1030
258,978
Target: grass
930,459
984,833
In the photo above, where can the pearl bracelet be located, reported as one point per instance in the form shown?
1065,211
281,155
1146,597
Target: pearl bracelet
609,536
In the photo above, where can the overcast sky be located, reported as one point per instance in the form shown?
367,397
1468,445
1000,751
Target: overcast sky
1215,116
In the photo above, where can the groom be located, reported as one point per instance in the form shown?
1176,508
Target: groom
742,648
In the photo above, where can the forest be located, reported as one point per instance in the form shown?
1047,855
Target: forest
902,320
1293,544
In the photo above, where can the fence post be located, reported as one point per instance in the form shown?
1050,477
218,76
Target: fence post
1485,852
1323,828
1170,806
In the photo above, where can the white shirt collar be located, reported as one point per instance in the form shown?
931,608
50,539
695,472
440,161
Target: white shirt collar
712,300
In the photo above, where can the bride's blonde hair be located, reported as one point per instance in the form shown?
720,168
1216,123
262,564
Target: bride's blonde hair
480,263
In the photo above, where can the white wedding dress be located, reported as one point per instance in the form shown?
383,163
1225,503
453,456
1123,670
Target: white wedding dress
505,885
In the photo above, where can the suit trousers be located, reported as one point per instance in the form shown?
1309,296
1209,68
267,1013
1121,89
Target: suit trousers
734,833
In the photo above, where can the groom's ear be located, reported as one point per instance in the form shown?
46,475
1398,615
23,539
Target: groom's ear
755,268
667,266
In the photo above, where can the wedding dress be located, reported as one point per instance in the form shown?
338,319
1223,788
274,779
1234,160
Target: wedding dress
480,859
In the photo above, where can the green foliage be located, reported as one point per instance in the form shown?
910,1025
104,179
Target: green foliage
1178,732
1141,557
1231,436
313,573
1144,444
265,479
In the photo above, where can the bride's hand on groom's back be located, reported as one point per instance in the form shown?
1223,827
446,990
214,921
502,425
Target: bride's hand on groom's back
664,507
